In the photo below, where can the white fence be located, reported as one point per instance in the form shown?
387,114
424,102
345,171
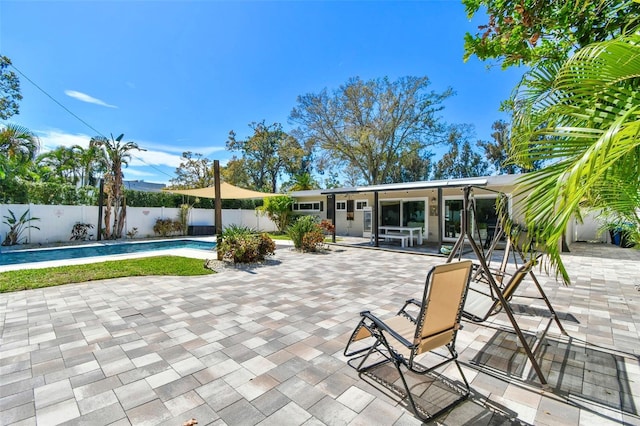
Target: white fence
56,222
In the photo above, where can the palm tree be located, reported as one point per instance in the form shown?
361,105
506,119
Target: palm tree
63,162
117,154
302,182
582,118
18,143
92,162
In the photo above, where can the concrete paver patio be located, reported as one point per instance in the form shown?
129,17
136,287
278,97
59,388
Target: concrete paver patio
264,346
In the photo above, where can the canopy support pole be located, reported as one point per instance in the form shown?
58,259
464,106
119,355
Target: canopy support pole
217,203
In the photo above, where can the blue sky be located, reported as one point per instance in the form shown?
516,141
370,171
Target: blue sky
177,76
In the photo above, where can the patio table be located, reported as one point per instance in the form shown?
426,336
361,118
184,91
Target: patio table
410,229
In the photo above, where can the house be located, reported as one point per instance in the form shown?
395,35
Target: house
435,206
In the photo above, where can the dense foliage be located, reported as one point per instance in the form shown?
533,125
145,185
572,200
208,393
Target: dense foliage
366,129
241,244
306,233
266,156
278,209
10,95
535,32
462,160
194,171
582,119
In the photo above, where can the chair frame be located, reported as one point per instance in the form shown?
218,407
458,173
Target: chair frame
491,278
371,326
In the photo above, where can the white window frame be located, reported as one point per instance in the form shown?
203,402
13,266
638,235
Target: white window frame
344,206
315,206
359,207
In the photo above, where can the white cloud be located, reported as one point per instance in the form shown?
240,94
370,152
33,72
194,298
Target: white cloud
86,98
51,139
181,147
128,171
154,158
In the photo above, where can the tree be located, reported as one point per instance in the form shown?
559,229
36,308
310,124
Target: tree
416,165
497,152
368,127
194,171
18,148
92,162
9,90
235,173
267,154
583,122
118,154
531,32
62,163
18,143
461,161
301,182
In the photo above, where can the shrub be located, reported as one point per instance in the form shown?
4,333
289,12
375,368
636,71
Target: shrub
16,227
166,227
278,209
328,227
241,244
306,234
80,231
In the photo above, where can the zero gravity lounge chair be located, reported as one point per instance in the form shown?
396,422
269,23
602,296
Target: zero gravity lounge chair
402,339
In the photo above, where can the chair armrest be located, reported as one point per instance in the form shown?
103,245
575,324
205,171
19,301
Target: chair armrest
403,310
384,327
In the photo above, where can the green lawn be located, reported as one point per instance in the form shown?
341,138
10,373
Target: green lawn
159,265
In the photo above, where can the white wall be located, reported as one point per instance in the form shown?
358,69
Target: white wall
56,222
588,229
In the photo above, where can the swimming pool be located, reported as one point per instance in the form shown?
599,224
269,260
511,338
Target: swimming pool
14,257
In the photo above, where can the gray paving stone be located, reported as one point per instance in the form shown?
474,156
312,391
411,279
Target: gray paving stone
241,413
102,416
331,412
134,394
272,337
52,393
57,413
18,413
150,413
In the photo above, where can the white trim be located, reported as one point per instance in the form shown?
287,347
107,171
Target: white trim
366,204
343,202
312,209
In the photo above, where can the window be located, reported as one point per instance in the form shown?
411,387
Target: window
361,204
308,206
341,205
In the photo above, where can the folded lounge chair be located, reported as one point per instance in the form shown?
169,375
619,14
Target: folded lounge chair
401,339
482,300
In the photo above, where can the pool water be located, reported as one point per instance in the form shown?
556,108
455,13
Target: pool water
41,255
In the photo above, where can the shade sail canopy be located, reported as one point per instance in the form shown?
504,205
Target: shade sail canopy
227,192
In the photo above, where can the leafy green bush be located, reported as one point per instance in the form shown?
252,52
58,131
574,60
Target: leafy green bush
241,244
278,209
17,226
306,233
166,227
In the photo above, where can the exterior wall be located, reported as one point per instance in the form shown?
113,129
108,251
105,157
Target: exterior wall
56,222
432,223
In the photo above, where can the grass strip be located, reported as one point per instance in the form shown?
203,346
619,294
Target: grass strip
26,279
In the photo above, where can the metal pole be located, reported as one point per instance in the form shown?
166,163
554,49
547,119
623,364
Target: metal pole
217,204
100,205
376,230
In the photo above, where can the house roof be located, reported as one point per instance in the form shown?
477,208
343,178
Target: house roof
405,186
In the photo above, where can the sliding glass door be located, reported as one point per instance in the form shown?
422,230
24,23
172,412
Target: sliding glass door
403,213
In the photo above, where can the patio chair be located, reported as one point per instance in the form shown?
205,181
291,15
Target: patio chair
401,339
482,301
